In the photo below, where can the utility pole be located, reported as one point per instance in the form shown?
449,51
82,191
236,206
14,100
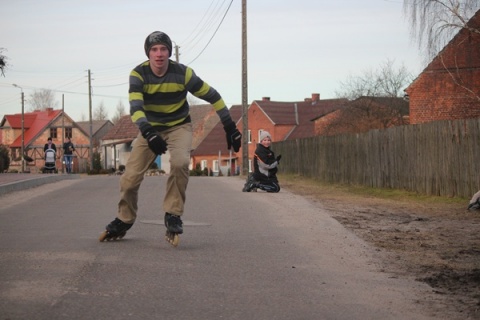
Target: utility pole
90,115
63,132
244,89
22,151
177,53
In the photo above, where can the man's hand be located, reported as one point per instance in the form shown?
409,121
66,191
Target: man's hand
155,142
234,137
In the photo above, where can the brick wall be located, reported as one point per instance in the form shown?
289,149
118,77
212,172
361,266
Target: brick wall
449,88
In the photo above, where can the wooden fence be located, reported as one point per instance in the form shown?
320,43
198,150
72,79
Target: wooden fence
438,158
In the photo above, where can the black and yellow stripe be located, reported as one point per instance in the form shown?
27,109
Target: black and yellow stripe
162,101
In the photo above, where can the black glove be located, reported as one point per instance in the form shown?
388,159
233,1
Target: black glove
155,142
234,137
279,157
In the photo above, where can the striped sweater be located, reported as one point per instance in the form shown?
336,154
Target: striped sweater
162,101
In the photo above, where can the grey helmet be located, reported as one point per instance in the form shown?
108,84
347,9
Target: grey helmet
158,37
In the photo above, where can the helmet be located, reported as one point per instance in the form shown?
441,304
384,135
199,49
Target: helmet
158,37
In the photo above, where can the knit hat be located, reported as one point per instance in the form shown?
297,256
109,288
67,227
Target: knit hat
265,134
158,37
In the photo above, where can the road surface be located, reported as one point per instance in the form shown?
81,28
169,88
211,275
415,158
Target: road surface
242,256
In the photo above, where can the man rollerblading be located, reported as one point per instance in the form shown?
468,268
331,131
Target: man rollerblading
174,228
159,107
115,230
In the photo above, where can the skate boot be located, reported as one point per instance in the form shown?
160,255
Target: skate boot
174,228
250,185
115,230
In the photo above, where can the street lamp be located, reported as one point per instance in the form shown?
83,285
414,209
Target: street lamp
23,128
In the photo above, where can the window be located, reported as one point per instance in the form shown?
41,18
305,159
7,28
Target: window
53,133
68,132
203,164
250,165
215,166
259,134
249,136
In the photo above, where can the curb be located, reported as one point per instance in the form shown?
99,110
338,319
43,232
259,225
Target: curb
31,183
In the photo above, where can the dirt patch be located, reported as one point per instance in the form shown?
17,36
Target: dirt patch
437,242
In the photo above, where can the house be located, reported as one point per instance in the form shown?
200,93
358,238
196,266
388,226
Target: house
99,129
116,145
449,87
212,153
38,126
284,121
363,114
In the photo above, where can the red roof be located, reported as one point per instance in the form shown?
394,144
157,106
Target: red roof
123,129
34,123
216,141
300,114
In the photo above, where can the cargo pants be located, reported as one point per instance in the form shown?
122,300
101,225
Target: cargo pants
179,141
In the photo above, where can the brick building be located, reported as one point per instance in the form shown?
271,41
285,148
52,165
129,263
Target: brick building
284,121
39,125
449,87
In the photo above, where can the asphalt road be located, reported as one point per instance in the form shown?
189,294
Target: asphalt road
242,256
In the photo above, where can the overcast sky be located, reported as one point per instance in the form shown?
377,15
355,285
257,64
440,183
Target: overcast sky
295,48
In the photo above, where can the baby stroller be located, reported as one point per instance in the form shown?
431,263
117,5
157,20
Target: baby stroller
50,162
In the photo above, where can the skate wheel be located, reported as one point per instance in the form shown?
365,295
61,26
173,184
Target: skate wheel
103,236
176,240
172,238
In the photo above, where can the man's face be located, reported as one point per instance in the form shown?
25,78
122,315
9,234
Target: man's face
158,56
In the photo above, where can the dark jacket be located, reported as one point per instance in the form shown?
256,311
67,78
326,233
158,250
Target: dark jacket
264,164
53,147
68,148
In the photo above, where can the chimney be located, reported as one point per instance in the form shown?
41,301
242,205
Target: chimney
266,99
49,110
315,97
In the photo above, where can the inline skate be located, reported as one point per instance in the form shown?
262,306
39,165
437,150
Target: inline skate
117,229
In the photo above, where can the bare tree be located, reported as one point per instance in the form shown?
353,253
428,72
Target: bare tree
435,22
386,81
3,62
376,101
120,112
100,113
41,100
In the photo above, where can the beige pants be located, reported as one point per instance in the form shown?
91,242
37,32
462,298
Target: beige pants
179,140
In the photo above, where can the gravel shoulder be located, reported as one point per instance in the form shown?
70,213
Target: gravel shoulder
435,240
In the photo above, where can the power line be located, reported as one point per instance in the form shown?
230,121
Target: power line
204,30
211,38
185,43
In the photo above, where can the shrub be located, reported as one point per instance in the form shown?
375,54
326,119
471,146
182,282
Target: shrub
4,158
197,171
97,162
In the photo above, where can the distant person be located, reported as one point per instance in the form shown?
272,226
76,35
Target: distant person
159,107
50,145
68,149
265,166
